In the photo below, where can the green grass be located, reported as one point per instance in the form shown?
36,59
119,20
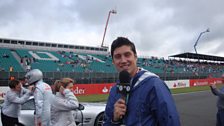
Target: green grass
103,98
93,98
192,89
189,89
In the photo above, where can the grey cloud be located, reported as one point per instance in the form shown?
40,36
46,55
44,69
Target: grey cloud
158,28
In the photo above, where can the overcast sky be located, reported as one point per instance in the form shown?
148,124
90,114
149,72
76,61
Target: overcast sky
157,27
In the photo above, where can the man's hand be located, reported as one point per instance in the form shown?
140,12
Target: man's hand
119,109
61,90
38,122
213,86
31,88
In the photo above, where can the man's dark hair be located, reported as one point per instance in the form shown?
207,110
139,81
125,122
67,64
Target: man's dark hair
120,41
13,83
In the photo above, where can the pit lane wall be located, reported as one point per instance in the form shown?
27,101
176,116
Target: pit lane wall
89,89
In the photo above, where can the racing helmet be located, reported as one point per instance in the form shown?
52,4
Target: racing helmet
34,76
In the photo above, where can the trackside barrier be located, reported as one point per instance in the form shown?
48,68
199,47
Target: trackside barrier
205,82
104,88
177,84
88,89
3,90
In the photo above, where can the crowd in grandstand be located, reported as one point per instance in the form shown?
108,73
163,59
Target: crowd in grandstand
87,62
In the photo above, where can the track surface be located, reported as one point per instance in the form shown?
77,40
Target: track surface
196,109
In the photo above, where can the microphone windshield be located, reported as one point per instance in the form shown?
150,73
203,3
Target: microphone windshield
124,77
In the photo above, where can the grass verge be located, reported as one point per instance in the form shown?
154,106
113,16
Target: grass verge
103,98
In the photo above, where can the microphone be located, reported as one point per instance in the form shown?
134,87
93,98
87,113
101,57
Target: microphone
124,86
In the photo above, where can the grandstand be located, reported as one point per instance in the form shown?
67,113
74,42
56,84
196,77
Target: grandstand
93,64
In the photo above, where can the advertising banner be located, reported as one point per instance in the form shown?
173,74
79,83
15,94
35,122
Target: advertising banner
3,90
177,84
88,89
205,82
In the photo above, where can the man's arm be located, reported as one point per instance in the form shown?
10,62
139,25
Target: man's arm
24,90
14,98
212,89
109,111
164,106
216,91
71,102
38,102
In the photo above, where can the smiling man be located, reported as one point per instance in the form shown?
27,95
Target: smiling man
150,102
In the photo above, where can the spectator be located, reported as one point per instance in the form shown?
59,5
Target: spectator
5,55
220,104
11,69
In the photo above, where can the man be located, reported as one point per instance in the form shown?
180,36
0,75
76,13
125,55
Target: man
12,103
150,102
42,96
23,82
220,104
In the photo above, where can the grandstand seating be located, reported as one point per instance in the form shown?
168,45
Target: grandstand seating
7,60
23,53
52,61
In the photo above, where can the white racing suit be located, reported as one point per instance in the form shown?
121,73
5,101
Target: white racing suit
43,96
62,109
13,100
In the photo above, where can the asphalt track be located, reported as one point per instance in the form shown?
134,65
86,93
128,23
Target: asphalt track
197,109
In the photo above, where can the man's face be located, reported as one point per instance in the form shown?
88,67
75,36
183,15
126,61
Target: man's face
18,87
23,82
125,59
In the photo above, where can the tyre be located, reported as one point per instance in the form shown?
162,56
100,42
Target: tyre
99,120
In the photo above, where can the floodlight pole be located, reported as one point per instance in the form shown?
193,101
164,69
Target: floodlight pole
196,43
105,30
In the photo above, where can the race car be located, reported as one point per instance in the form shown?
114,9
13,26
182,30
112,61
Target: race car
88,114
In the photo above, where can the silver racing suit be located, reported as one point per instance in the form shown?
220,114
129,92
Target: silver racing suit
43,96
